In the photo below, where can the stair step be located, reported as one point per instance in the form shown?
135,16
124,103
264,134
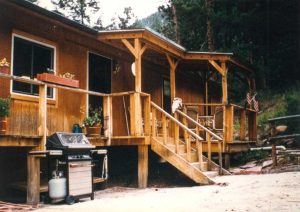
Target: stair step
197,165
211,173
194,157
181,148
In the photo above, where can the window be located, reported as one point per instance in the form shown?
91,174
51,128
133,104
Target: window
30,59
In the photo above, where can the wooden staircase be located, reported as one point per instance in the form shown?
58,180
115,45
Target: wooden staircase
178,151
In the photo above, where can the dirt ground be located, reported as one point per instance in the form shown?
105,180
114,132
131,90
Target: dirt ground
265,192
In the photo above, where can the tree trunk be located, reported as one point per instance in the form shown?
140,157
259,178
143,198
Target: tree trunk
175,21
209,32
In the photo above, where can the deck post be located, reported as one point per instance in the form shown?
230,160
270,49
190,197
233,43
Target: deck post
243,125
33,179
224,83
42,130
135,115
142,166
107,113
252,126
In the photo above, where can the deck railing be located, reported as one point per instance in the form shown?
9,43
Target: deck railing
238,123
137,109
158,112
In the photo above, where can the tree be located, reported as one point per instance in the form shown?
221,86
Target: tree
126,19
78,10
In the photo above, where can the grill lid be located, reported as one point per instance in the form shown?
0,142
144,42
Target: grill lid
62,140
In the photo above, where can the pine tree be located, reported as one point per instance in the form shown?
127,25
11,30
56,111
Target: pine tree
78,10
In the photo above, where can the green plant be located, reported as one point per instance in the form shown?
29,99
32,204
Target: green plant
4,107
94,119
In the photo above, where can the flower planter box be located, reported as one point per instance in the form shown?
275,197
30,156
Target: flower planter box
4,69
58,80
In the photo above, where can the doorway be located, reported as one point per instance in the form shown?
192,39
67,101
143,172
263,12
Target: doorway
166,95
99,80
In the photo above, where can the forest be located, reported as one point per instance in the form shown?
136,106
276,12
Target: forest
263,33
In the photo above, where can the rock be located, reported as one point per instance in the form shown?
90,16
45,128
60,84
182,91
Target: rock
267,163
248,165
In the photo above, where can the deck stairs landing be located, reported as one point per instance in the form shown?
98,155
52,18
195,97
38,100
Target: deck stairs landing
189,165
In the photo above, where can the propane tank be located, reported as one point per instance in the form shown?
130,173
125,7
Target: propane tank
57,186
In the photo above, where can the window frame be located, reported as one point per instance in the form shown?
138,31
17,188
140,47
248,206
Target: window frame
35,40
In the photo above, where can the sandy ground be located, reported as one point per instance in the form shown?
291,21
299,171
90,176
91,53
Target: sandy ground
269,192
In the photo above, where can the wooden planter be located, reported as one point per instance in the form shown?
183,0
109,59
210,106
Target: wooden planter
3,125
58,80
4,69
93,131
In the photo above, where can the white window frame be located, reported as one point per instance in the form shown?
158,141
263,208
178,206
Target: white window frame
12,63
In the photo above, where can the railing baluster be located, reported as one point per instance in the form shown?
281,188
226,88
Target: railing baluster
176,134
186,137
199,149
208,138
154,133
164,128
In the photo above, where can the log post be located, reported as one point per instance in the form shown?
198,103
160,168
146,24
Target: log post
42,130
107,113
147,110
142,166
243,125
135,115
33,177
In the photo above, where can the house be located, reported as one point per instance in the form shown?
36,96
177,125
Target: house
133,75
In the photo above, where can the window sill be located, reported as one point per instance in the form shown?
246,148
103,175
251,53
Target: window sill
28,98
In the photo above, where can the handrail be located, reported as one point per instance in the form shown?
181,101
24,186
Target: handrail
176,121
199,125
78,90
203,104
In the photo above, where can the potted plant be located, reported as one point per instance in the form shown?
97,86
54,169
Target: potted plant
4,66
92,123
4,112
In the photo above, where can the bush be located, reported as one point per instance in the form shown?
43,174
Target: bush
4,107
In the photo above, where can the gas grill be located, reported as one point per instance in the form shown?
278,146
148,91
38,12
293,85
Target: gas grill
72,154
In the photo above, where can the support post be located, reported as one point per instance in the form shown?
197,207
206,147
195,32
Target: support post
173,64
208,138
176,135
107,113
224,84
164,128
42,116
228,129
227,161
138,65
153,122
147,109
199,149
252,131
33,177
243,125
135,115
142,166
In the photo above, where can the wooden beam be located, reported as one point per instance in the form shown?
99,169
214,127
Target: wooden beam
130,48
107,113
135,115
138,66
33,179
217,66
224,84
173,64
42,115
206,56
147,111
242,125
228,128
142,166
